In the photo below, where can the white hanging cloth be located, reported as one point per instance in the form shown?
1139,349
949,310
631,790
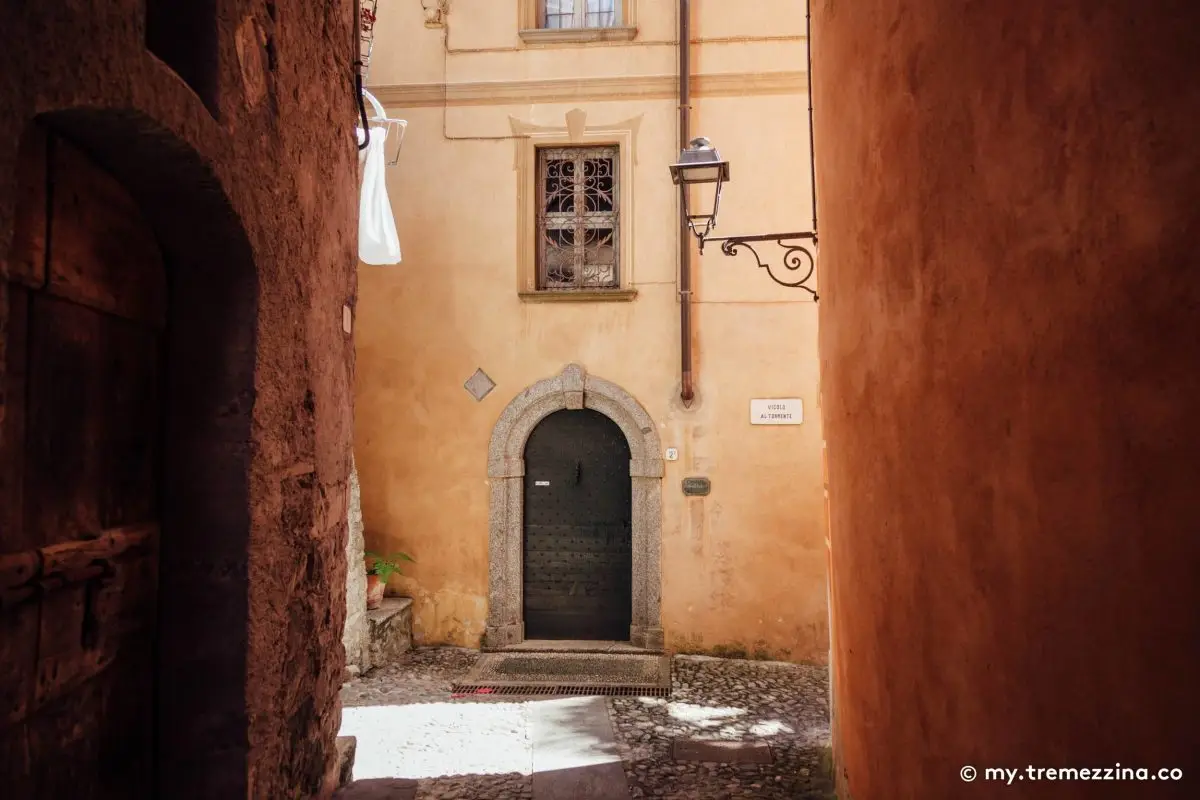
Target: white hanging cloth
378,242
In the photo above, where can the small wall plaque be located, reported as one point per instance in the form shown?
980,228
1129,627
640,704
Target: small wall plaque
782,411
697,487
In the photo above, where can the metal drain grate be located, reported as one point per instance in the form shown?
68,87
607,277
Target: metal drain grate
544,690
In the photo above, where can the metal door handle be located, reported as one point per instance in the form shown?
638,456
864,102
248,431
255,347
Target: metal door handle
578,472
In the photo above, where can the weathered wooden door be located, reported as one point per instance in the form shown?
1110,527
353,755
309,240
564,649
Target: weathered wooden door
79,484
578,525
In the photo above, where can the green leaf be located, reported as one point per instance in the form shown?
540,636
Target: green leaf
384,567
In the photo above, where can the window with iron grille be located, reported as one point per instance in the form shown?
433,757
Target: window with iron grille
581,13
578,218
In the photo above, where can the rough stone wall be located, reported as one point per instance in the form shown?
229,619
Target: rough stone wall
354,637
1010,209
253,200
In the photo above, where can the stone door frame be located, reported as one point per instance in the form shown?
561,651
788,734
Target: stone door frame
572,389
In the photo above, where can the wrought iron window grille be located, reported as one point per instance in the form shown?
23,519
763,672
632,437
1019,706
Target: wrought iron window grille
578,218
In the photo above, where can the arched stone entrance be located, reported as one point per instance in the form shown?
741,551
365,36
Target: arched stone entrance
573,388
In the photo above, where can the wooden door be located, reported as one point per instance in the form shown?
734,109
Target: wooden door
578,529
80,448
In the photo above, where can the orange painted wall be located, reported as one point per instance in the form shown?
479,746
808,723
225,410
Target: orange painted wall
1010,201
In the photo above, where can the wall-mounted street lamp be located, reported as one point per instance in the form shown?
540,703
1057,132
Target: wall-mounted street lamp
701,167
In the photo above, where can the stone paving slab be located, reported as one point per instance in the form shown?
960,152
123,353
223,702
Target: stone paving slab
575,754
721,752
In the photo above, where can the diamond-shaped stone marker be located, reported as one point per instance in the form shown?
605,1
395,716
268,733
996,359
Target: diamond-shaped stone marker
479,384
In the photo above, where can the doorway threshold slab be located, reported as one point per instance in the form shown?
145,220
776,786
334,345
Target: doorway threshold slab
574,646
568,674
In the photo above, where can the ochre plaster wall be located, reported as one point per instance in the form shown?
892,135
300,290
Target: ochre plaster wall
1010,201
744,566
253,201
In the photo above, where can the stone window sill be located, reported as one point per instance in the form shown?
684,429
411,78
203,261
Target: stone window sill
579,296
574,35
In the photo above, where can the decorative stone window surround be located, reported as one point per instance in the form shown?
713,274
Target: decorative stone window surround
528,138
571,389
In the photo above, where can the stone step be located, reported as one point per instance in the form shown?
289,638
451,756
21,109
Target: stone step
347,747
379,789
389,631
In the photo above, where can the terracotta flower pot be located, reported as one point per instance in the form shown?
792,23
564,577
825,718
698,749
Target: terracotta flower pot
374,591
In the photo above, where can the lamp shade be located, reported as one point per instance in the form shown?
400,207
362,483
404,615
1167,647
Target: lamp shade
700,164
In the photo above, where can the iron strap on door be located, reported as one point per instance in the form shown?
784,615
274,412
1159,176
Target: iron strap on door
45,569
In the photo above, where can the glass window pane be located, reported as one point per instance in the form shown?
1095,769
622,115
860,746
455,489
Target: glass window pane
598,185
560,14
599,257
559,177
602,13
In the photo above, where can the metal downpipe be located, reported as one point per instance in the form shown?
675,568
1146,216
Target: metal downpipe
687,392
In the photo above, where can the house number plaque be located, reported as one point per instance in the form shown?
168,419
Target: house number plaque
697,487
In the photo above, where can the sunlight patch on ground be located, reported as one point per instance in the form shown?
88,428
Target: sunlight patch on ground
431,740
770,727
702,716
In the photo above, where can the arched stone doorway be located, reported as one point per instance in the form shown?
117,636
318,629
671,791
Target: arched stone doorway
573,389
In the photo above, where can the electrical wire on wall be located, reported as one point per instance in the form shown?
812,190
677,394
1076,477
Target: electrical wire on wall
446,51
362,108
365,14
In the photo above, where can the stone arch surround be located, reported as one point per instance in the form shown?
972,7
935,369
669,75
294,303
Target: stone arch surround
572,389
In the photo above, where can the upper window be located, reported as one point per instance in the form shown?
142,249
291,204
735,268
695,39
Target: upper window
559,22
580,14
578,218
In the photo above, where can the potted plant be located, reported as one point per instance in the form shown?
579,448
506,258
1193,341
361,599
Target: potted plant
379,569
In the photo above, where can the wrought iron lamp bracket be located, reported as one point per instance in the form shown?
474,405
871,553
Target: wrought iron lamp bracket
798,258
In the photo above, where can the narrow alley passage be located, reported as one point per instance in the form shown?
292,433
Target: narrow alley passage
708,741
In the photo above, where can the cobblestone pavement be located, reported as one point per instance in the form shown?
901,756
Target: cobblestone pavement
782,705
477,747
